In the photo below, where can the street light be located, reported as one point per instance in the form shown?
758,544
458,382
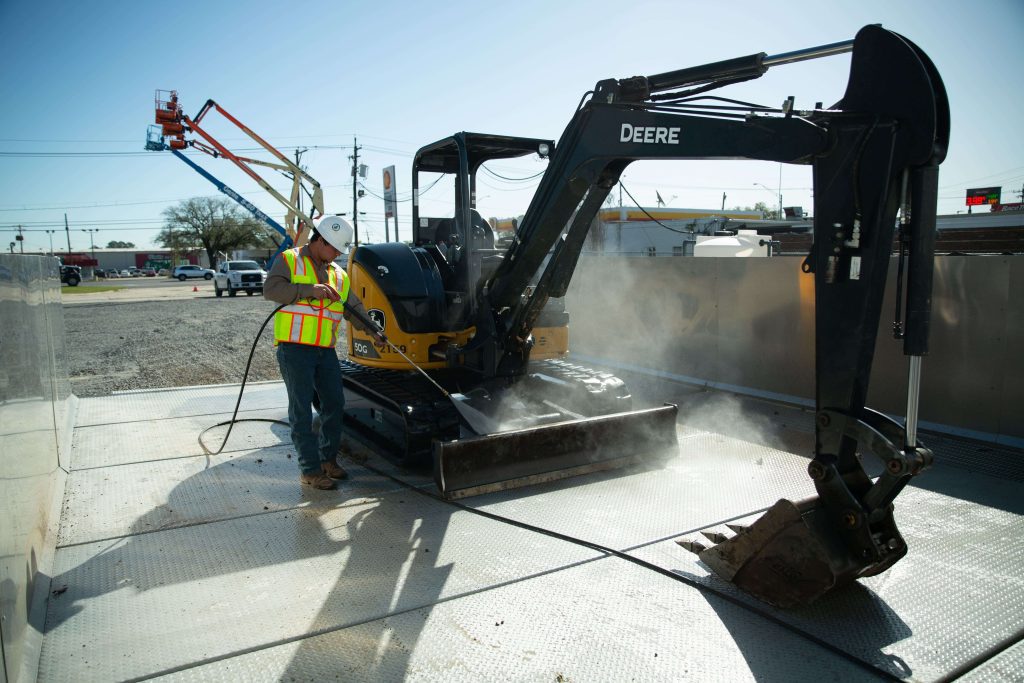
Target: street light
91,245
50,233
773,192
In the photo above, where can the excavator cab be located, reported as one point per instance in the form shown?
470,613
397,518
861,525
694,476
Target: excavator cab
444,176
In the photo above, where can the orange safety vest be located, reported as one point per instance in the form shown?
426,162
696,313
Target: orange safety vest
313,322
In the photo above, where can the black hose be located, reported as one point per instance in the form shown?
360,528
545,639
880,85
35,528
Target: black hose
762,612
245,376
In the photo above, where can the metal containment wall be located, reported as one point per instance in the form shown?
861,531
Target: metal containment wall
747,325
36,418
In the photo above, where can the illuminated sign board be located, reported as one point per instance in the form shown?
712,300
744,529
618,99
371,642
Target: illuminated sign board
983,195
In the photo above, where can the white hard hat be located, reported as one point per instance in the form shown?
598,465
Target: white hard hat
336,231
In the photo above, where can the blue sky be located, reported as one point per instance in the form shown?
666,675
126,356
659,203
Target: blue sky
78,79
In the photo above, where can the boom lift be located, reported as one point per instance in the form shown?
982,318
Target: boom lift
172,123
471,317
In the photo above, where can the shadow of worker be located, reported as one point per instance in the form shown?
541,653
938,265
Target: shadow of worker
240,558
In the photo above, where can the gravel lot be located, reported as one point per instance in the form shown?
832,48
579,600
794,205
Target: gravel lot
148,344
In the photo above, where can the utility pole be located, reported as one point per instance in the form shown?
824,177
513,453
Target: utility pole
723,201
67,232
298,195
355,192
781,217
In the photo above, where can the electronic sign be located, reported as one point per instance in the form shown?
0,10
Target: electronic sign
980,196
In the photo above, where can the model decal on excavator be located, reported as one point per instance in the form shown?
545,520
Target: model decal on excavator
649,134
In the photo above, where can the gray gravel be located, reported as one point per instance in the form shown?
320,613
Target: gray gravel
157,344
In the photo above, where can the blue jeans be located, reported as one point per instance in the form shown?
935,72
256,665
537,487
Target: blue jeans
305,370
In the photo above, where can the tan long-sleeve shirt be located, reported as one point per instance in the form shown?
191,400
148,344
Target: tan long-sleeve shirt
280,288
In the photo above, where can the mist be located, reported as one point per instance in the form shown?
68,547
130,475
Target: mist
710,320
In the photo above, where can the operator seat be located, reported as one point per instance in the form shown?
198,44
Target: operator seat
443,232
483,234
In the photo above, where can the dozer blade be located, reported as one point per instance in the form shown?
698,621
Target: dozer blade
476,465
793,554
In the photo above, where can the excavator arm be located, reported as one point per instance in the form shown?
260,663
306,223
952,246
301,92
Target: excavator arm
875,155
600,142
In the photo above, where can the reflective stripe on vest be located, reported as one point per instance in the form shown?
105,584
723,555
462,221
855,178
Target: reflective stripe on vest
313,322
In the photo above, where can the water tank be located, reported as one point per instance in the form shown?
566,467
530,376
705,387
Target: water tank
745,243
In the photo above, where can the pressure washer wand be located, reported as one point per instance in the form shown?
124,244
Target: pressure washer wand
372,324
477,421
410,361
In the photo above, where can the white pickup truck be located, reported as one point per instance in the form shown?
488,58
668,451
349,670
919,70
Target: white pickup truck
238,276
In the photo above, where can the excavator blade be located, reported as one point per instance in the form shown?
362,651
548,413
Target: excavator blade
793,555
510,459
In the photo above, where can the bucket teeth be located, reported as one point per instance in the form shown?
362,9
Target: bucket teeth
738,528
694,546
715,536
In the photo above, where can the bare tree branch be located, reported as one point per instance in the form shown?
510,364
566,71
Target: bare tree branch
212,224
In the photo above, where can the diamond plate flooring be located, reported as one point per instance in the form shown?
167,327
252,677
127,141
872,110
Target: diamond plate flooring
177,565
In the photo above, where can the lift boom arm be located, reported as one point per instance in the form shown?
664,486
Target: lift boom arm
173,123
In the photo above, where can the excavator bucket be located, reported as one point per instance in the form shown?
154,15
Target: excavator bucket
520,457
794,553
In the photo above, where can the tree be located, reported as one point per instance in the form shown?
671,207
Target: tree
766,213
212,224
118,244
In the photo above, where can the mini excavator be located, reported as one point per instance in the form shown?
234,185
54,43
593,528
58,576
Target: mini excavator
487,322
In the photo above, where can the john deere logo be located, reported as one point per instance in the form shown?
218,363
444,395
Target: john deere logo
377,316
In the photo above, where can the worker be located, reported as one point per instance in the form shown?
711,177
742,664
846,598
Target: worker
316,295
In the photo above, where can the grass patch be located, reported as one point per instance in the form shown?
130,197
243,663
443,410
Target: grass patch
89,289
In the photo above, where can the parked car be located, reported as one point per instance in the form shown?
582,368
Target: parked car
113,273
163,272
70,275
99,272
185,272
239,276
149,272
135,272
125,272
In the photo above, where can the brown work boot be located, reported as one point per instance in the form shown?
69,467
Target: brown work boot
317,480
333,470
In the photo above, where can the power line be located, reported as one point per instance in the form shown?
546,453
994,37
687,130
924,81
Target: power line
514,180
681,232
